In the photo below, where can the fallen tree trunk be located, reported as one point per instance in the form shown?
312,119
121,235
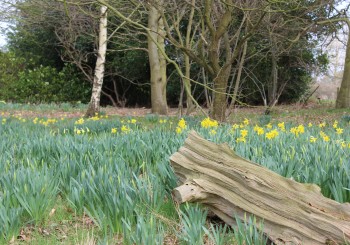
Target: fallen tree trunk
231,186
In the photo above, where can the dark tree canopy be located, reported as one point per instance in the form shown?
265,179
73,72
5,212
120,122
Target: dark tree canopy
287,40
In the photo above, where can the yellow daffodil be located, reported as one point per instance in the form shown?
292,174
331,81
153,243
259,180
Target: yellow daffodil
244,133
269,125
209,123
114,131
212,132
301,129
260,131
79,121
297,130
339,130
272,134
313,139
178,130
241,139
282,126
182,124
246,121
322,125
324,136
235,126
95,118
335,124
125,129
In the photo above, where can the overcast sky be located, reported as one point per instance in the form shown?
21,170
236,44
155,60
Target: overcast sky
2,36
2,41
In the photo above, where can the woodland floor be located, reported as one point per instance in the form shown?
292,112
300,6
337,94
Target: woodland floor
313,112
68,228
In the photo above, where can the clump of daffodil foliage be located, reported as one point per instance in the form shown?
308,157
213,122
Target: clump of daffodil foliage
116,170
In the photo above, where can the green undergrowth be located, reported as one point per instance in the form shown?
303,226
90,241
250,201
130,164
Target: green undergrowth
107,180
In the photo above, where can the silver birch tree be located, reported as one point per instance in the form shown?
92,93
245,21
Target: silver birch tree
94,105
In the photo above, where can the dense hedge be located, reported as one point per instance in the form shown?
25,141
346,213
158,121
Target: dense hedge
41,84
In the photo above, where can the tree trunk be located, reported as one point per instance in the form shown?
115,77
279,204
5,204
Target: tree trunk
181,100
208,97
219,101
187,84
272,84
291,212
189,102
272,88
94,106
343,98
219,38
157,61
239,74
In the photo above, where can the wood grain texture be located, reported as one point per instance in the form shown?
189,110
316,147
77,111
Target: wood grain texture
292,212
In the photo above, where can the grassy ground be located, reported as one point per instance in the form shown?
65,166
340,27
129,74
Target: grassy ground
108,179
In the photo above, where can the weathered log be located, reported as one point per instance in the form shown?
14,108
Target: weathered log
231,186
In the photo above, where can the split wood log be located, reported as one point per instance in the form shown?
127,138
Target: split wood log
231,186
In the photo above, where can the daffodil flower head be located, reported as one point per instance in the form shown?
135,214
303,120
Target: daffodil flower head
182,124
313,139
246,121
339,130
271,134
209,123
244,133
125,129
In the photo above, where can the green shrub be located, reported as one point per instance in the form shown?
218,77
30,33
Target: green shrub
46,84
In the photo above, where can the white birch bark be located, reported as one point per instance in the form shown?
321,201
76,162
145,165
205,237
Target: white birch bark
94,106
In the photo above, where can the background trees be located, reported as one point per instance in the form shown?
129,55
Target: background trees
343,99
221,53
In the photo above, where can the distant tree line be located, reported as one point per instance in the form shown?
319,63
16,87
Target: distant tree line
184,53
